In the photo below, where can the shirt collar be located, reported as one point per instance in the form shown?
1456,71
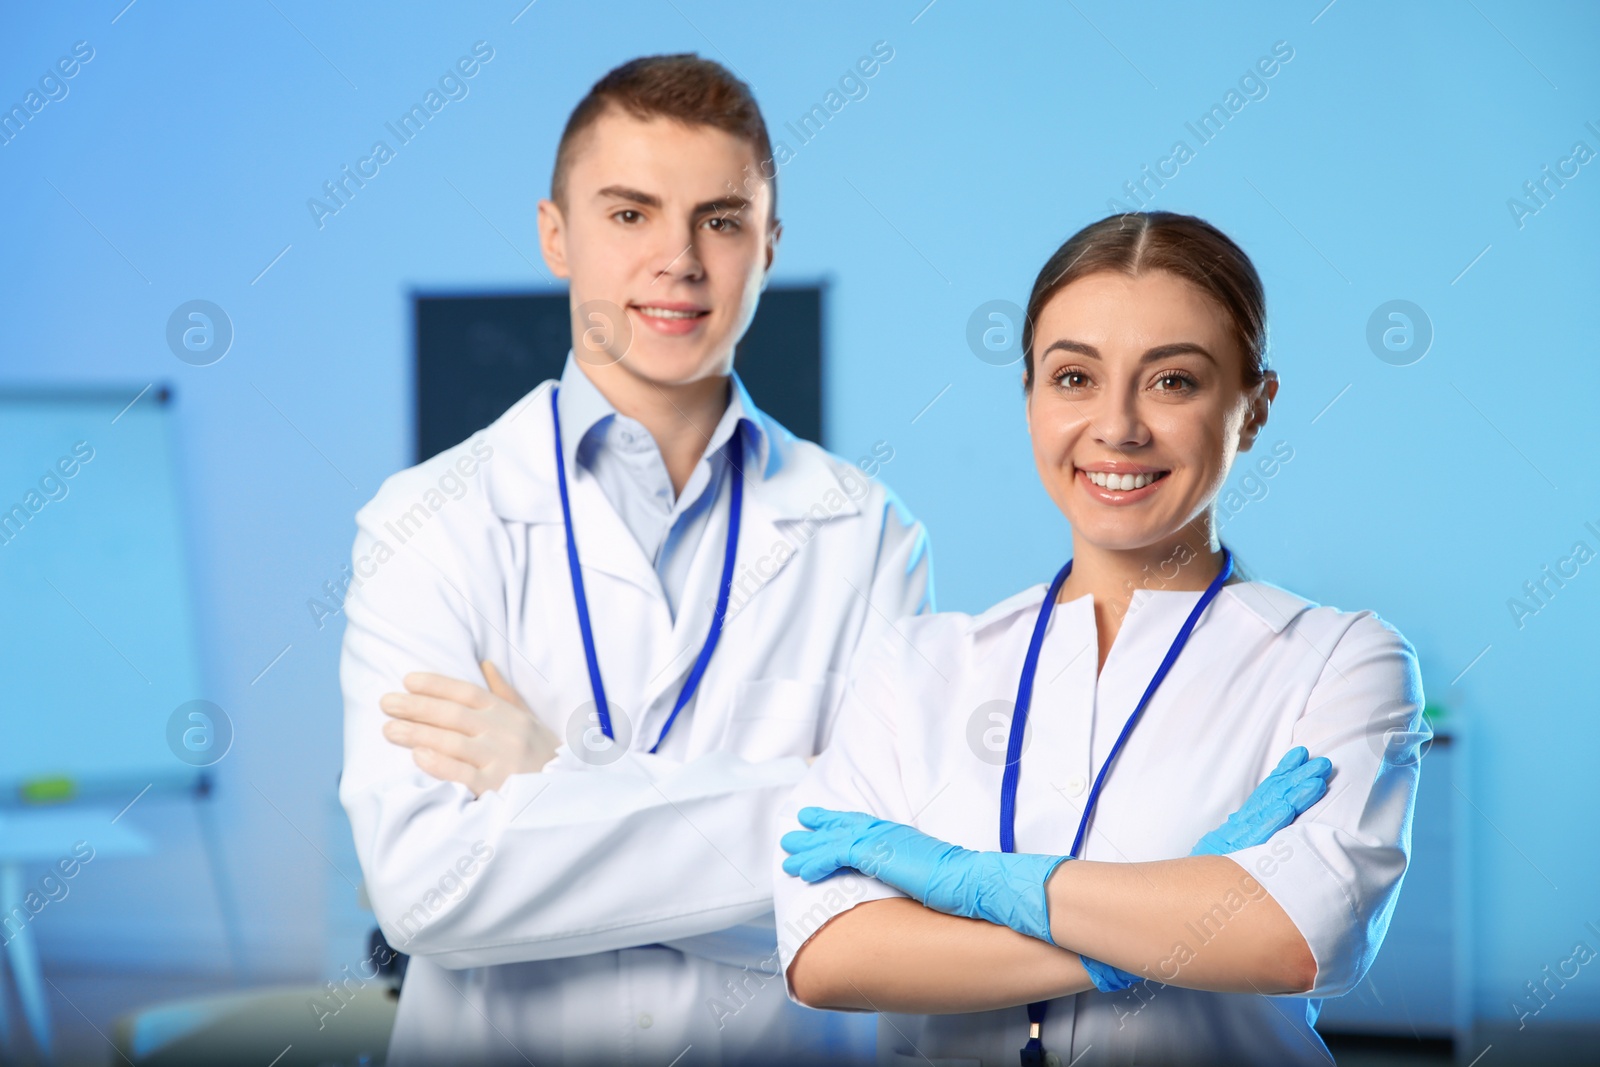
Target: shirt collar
1275,607
795,476
582,408
585,410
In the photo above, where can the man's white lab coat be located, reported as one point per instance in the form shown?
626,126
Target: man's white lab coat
613,908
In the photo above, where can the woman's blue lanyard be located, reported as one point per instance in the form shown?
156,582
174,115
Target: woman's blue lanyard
1033,1052
736,505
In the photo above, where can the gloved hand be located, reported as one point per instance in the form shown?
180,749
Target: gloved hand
1003,887
1007,888
1292,787
1283,796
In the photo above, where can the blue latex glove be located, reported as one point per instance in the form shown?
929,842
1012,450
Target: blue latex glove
1292,787
1003,887
1007,888
1283,796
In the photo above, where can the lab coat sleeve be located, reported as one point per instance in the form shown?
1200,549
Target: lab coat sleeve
1337,871
551,865
901,586
859,771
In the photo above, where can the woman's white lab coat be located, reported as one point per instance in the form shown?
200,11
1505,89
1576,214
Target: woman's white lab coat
600,911
922,740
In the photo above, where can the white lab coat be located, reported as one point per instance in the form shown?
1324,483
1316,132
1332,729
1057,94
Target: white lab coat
606,912
922,738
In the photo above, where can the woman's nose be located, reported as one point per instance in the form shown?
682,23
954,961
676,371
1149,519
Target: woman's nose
1116,421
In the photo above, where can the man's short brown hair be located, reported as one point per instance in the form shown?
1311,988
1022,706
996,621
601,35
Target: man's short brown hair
684,87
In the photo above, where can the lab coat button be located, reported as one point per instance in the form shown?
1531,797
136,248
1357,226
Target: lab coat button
645,1020
1075,785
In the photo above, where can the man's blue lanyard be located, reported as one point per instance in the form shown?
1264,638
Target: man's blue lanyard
735,455
1033,1052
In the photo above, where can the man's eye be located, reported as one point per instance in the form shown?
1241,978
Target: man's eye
628,215
723,223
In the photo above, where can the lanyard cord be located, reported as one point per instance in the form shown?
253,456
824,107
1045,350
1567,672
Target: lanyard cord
735,448
1019,715
1019,722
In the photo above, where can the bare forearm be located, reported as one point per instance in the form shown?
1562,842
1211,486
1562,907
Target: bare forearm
896,955
1200,922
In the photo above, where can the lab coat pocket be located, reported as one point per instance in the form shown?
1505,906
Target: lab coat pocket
777,717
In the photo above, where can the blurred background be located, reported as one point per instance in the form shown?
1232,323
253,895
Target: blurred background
211,350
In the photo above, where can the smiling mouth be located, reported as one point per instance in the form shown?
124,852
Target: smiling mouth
1124,483
654,312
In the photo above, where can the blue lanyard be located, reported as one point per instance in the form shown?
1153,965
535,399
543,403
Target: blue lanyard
697,672
1019,722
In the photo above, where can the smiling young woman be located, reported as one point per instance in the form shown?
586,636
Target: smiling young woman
930,880
1146,374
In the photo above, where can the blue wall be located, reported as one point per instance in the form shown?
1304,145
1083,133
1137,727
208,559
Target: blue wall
1375,164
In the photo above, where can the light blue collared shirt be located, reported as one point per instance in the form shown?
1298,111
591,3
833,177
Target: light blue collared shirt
622,456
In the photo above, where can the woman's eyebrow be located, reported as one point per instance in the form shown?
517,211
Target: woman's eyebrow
1072,346
1177,348
1154,355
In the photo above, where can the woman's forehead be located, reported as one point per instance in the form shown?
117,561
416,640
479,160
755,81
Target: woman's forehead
1114,310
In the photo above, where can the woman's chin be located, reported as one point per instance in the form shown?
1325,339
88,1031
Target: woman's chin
1117,534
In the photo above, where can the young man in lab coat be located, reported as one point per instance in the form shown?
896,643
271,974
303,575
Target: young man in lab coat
566,897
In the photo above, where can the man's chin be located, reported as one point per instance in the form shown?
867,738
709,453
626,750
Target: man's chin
675,367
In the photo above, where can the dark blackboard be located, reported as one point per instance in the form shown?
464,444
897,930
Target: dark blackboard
477,355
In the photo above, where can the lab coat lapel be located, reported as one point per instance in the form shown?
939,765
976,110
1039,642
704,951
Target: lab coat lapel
522,486
692,623
790,495
1057,769
1153,620
790,490
605,543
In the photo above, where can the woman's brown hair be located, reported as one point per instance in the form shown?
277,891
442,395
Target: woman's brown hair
1184,245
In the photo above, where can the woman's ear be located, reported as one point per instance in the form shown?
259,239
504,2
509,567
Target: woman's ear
1261,398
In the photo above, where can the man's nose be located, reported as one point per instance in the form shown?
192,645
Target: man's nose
677,255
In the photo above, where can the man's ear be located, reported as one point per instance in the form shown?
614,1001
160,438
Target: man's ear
553,238
774,233
1260,405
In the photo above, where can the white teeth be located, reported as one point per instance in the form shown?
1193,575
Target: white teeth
664,313
1120,482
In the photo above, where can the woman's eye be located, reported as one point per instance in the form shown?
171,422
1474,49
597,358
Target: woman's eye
1067,378
1174,383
